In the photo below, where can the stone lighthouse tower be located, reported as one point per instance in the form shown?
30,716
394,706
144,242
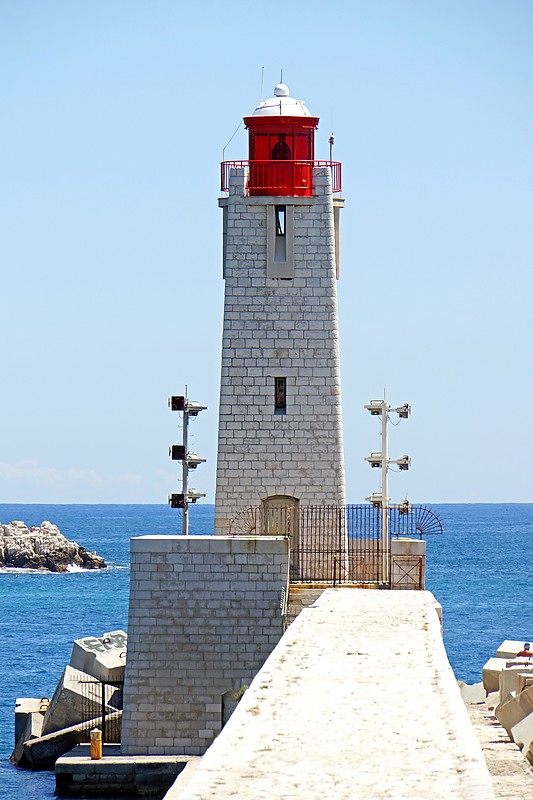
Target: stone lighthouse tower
280,440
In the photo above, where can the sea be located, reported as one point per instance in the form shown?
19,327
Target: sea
480,569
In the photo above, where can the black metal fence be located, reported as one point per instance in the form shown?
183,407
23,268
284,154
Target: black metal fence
101,703
337,544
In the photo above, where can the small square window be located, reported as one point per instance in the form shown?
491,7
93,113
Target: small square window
280,395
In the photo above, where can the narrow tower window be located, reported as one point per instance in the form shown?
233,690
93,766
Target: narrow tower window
280,241
280,245
280,220
280,395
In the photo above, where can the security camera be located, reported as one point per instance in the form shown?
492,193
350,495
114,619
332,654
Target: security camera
375,459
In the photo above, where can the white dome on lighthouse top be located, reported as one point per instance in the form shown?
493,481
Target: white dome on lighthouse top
281,105
281,90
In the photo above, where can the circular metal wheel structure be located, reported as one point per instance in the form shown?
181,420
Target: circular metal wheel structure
408,520
244,523
427,522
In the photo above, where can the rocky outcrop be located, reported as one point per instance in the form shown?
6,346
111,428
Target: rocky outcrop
43,548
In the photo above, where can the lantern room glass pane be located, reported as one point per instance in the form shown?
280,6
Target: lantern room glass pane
282,147
303,146
259,147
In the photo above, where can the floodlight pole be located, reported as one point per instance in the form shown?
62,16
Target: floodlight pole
382,459
385,490
189,408
185,472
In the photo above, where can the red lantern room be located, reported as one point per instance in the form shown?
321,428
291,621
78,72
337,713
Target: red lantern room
281,136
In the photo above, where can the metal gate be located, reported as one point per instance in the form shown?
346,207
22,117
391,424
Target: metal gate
101,704
368,560
337,544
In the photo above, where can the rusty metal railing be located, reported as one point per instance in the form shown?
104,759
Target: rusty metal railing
350,569
340,544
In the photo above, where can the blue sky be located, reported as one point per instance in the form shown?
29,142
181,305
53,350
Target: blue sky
114,118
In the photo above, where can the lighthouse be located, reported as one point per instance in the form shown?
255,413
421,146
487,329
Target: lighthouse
280,443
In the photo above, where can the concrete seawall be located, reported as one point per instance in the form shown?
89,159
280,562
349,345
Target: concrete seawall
357,700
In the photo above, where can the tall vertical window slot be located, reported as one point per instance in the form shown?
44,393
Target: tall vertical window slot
280,241
281,213
280,248
280,395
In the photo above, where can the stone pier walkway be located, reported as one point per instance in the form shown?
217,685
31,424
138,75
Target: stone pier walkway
357,700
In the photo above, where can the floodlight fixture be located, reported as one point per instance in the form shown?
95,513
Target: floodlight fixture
193,495
193,460
404,462
375,459
376,498
193,408
403,411
375,407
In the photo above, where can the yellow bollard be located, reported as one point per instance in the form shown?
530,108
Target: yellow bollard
96,744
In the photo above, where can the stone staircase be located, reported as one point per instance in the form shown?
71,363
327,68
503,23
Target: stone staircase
301,596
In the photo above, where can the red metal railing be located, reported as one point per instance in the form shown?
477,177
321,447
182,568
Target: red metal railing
281,178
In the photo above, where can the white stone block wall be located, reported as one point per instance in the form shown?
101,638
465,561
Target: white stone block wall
279,328
204,614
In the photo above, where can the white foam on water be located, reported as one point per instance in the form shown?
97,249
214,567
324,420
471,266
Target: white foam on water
26,571
75,568
71,568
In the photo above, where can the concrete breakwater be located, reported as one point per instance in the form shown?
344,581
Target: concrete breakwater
43,548
508,684
501,713
88,695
